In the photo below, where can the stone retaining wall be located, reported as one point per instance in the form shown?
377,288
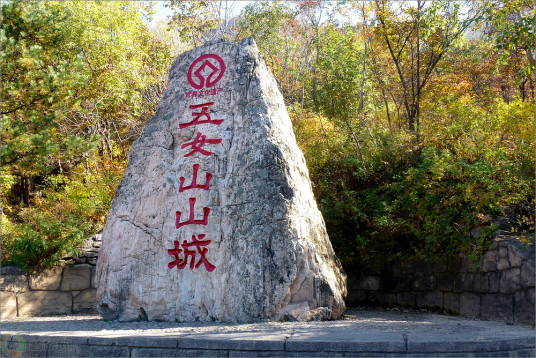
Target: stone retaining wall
63,289
498,287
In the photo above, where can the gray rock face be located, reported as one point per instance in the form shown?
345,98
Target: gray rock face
215,217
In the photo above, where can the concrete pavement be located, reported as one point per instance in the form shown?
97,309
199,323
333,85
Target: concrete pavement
361,333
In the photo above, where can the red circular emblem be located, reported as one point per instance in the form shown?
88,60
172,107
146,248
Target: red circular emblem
217,68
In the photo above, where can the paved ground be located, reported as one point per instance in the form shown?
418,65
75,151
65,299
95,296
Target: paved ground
361,333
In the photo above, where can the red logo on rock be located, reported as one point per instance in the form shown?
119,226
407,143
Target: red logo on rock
217,71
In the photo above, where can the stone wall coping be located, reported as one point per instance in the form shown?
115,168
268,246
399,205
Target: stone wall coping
361,333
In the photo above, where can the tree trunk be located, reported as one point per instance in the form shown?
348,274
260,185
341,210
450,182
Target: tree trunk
362,102
356,141
387,108
26,184
417,109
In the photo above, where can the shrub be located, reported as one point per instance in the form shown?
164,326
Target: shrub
438,195
67,210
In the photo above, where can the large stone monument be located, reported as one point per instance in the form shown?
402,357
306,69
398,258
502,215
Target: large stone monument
215,217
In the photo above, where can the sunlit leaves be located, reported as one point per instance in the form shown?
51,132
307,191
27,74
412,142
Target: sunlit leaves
79,79
340,68
512,24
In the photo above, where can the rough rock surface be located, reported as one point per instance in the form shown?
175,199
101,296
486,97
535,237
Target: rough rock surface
269,255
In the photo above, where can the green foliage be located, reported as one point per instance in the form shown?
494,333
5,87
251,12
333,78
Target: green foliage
78,82
339,68
191,19
42,240
69,209
38,72
512,24
429,198
79,79
262,21
281,40
73,72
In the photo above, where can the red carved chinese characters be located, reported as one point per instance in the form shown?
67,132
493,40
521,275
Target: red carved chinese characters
194,184
199,141
202,251
198,115
215,67
191,220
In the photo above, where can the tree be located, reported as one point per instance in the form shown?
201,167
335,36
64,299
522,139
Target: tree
72,73
512,26
202,20
280,37
341,78
417,39
126,64
40,71
79,80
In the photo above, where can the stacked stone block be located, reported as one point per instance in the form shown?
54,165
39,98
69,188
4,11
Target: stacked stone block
498,287
64,289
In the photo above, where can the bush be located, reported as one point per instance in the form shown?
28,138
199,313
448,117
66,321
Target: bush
438,195
42,240
67,210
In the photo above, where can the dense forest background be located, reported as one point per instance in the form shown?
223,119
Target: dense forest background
416,118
